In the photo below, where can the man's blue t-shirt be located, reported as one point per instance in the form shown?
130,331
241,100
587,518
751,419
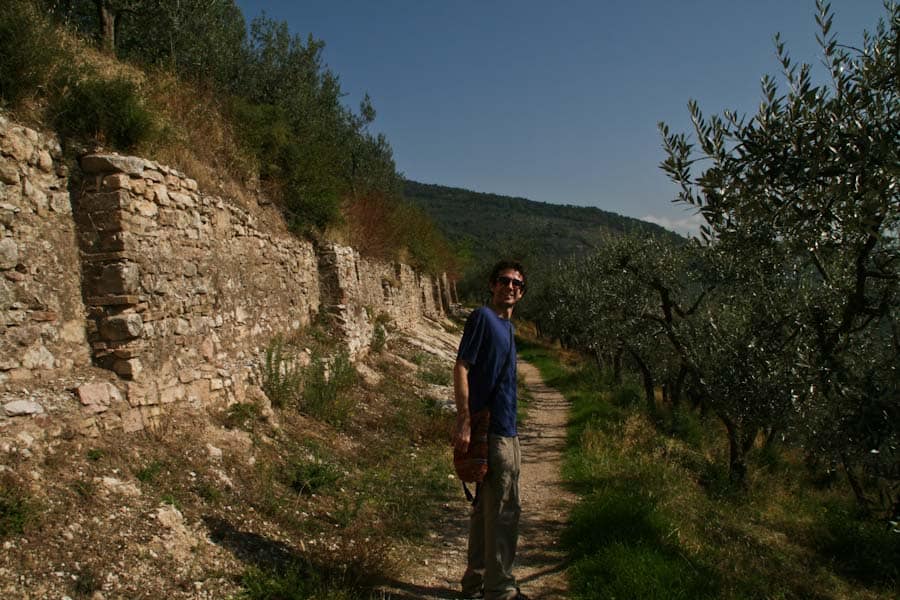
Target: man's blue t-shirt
489,348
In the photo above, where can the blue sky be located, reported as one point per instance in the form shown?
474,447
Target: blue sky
555,101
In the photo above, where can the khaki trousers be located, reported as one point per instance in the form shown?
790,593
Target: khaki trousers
494,524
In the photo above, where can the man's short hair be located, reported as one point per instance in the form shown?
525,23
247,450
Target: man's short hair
503,265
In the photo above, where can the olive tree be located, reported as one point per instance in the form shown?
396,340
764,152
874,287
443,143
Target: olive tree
815,171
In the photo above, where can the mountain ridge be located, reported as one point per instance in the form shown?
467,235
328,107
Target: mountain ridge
487,226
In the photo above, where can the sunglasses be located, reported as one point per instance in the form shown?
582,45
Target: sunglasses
516,283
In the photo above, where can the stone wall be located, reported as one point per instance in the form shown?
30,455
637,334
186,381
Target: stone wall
42,332
182,287
161,294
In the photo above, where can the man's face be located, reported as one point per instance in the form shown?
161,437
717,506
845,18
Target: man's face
508,288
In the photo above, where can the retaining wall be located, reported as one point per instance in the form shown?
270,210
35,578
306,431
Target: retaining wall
163,295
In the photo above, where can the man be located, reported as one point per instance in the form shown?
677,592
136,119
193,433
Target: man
485,375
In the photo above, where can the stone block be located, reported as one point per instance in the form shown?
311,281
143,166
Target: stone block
199,391
121,327
60,203
45,161
16,145
101,203
145,208
171,394
9,253
111,163
37,357
43,316
116,181
9,173
130,369
139,186
132,420
117,279
96,397
142,394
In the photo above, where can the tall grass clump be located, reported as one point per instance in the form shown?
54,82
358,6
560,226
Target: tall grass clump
17,509
327,393
281,376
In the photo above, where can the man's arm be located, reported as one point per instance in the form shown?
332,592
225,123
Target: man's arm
462,432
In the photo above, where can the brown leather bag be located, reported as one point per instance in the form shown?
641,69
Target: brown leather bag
472,465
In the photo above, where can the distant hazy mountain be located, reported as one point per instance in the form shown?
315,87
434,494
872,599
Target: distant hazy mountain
488,226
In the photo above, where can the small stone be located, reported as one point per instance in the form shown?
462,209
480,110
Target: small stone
9,174
16,146
9,253
21,408
214,453
60,203
37,357
118,486
45,161
97,396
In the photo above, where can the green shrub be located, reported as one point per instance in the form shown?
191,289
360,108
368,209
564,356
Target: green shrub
149,473
295,582
326,389
109,110
281,376
627,395
379,337
686,426
29,53
86,583
866,550
84,488
310,476
17,510
241,414
436,374
208,492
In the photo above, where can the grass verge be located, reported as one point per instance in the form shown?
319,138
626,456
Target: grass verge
652,521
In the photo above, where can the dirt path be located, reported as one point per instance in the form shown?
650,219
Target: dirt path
545,503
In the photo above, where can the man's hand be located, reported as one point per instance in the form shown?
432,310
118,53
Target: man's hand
462,433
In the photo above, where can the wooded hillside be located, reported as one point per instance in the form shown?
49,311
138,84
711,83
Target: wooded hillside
488,226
